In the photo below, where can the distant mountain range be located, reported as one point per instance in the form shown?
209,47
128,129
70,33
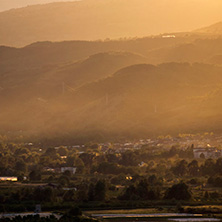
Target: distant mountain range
99,19
11,4
215,29
83,91
139,100
100,90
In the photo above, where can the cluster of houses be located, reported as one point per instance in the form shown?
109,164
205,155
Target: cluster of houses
72,170
200,144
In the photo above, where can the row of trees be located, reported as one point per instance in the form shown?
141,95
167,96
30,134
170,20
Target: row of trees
208,168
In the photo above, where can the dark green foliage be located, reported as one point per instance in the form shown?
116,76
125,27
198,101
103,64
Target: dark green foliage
193,181
214,195
44,194
129,159
129,193
21,151
64,180
218,166
206,195
21,166
91,192
69,196
100,190
70,161
108,168
74,211
73,216
215,181
142,191
50,152
179,192
193,168
67,173
118,179
181,168
152,179
87,158
208,168
35,175
202,156
62,151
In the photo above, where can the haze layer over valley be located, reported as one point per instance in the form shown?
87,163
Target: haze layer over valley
100,90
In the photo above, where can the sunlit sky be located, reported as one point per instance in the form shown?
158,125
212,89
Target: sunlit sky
9,4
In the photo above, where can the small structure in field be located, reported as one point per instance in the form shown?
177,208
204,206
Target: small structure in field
70,169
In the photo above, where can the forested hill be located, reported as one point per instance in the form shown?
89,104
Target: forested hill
183,48
142,99
137,100
101,89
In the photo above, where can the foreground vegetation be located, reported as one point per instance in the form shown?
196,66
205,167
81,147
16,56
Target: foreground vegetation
148,177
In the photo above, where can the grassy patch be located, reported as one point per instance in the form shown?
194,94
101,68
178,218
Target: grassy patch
133,211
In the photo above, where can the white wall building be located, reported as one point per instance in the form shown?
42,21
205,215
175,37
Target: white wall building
209,152
71,169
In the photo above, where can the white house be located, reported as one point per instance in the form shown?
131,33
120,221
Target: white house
71,169
209,152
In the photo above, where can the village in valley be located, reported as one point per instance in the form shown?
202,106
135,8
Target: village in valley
201,146
143,172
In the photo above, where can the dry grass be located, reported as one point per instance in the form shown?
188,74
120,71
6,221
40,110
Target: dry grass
133,211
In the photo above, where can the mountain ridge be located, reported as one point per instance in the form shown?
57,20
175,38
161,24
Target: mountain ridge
139,99
212,29
114,19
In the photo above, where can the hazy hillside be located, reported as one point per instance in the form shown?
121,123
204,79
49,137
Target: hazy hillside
216,59
103,89
11,4
23,82
215,29
49,67
145,99
99,19
136,100
29,92
200,50
50,53
44,55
